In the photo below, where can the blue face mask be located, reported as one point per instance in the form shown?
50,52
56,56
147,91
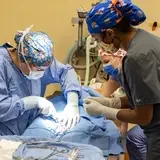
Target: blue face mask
113,72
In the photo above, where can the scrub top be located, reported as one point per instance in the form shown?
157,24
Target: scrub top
14,86
140,76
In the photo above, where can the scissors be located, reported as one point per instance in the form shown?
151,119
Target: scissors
55,152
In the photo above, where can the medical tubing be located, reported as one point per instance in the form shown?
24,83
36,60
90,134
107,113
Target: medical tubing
88,47
70,56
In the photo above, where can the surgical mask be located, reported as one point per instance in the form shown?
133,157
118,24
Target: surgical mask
120,53
35,75
110,70
107,48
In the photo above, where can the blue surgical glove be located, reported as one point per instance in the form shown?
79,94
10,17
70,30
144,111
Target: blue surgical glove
45,106
71,115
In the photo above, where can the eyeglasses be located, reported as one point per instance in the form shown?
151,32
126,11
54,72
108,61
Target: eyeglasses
36,68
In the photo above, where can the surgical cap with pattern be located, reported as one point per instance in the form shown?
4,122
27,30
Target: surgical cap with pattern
37,48
107,14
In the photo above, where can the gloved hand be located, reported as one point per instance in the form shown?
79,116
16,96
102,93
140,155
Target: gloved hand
94,108
70,116
109,102
43,104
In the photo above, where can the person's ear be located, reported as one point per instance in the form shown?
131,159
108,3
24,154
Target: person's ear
108,36
110,33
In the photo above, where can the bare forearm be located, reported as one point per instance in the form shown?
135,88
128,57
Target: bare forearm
109,87
124,102
128,116
131,116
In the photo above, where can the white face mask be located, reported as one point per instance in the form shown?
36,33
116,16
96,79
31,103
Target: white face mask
107,48
35,75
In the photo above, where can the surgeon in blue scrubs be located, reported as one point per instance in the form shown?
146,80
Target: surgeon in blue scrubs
23,70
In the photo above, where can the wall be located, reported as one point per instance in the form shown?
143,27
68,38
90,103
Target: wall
50,16
151,8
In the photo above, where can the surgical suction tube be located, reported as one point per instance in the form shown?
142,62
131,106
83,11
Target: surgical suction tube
70,57
78,46
72,50
80,67
88,47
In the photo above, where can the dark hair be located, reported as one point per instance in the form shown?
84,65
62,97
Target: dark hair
123,26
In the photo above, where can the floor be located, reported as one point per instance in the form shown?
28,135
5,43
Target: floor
122,157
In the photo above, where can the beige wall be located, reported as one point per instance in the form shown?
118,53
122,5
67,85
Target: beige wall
50,16
151,8
54,17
